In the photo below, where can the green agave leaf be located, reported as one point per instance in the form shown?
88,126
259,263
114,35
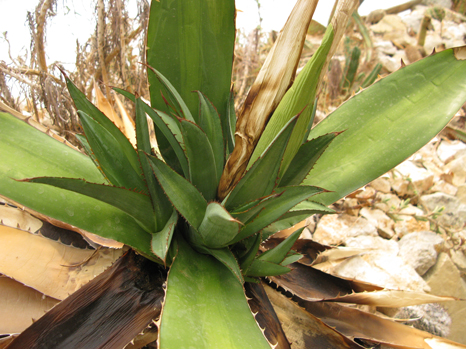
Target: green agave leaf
143,146
161,240
168,135
209,122
311,122
87,148
351,69
305,159
260,268
27,152
261,178
372,76
226,257
83,104
185,112
247,259
297,100
135,204
187,200
218,227
162,208
247,212
201,160
388,122
278,253
273,209
110,156
295,215
230,126
195,59
205,306
291,258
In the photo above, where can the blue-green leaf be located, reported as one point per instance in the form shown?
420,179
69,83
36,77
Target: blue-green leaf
218,227
274,208
161,240
260,268
209,122
279,252
187,200
135,204
200,291
262,177
191,43
305,159
83,104
387,122
201,161
110,156
168,129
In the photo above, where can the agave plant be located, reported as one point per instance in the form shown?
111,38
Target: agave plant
199,211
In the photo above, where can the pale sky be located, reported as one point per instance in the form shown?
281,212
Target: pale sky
76,20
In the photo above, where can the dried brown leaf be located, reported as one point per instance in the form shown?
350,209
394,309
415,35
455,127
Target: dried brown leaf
50,267
108,312
303,329
355,323
314,285
392,298
20,306
265,315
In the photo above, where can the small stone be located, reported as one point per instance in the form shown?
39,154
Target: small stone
432,318
458,168
433,41
366,194
382,222
420,180
373,243
447,150
459,258
420,250
387,202
461,193
441,3
408,224
414,18
454,213
383,269
336,229
386,47
351,206
381,184
444,187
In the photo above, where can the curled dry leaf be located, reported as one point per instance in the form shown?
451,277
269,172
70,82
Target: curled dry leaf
303,329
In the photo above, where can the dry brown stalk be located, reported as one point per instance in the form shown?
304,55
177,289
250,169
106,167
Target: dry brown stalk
403,7
40,33
122,42
101,43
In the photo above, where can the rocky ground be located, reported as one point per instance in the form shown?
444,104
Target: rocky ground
406,230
